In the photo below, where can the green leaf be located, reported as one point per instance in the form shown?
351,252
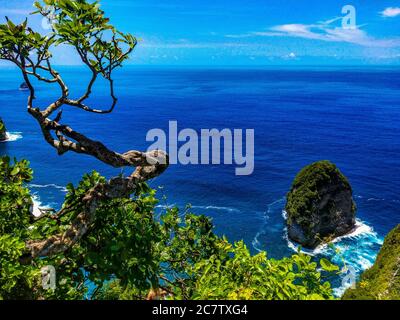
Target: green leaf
15,171
328,266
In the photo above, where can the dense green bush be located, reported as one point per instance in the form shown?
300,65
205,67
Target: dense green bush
132,253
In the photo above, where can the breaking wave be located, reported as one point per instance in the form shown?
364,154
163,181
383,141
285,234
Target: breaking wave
12,136
228,209
41,186
357,250
361,232
37,205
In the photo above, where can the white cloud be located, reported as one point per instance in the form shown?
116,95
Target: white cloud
330,21
391,12
323,31
297,30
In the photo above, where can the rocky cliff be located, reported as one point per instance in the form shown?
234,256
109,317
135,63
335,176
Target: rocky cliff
3,134
319,205
382,281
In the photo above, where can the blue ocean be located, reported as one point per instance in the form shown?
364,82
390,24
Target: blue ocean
348,115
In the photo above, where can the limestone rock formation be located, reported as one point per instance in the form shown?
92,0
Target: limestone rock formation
320,205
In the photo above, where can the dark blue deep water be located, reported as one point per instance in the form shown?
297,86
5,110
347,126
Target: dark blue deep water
350,116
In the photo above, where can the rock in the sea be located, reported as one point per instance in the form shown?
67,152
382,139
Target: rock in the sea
320,205
382,281
3,132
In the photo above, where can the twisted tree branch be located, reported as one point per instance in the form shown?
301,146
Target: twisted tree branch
101,57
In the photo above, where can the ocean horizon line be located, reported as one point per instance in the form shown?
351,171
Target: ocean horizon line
232,66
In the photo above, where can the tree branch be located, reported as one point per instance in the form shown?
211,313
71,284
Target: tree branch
17,43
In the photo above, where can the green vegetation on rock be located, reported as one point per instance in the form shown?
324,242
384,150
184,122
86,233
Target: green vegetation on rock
319,204
3,131
304,190
382,280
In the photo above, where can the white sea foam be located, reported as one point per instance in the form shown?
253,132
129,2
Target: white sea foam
52,185
361,230
168,206
12,136
377,199
339,291
216,208
357,249
165,206
37,205
266,215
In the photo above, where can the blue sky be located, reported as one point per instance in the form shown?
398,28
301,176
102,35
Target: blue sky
251,32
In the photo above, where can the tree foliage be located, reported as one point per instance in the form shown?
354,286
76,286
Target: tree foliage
133,252
83,26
